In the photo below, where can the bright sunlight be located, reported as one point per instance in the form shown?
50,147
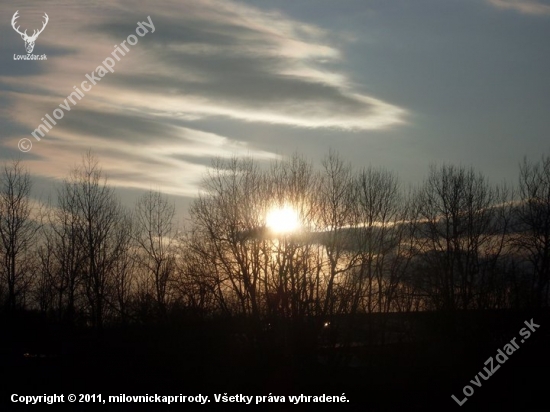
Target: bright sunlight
282,220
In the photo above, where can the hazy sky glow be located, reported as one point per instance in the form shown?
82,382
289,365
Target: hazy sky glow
399,84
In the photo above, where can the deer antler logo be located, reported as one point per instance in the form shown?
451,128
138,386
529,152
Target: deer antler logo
29,40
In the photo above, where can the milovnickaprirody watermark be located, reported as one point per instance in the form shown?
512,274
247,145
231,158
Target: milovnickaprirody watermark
501,357
94,77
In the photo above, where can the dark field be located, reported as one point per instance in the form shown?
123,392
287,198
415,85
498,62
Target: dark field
424,359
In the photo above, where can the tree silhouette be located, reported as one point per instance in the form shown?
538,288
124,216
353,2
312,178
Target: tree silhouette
18,228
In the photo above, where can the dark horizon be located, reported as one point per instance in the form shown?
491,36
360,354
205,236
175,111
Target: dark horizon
298,279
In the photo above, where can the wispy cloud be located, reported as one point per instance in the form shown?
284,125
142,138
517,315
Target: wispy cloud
523,6
207,59
225,59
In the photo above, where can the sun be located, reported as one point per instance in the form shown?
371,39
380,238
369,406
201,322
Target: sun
282,220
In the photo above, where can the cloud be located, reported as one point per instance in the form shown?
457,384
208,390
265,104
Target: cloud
523,6
137,150
225,59
207,59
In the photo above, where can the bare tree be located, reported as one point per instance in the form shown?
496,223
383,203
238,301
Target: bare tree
337,217
155,237
101,230
63,256
533,215
291,277
198,286
458,227
227,217
379,233
18,229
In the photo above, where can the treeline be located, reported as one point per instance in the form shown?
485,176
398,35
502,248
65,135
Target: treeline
365,244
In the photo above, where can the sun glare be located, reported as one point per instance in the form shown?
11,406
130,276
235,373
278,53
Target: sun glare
282,220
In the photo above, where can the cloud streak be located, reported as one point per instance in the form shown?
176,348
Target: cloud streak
238,62
523,6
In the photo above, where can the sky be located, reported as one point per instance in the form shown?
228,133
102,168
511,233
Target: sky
400,84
